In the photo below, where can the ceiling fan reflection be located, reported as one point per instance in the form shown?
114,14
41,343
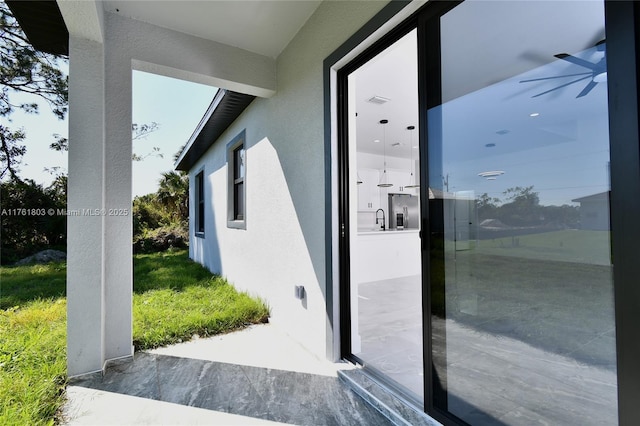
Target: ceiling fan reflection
597,72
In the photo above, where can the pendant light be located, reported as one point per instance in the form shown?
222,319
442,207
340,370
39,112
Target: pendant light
384,180
412,181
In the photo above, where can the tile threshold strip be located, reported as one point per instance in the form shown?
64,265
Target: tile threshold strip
377,394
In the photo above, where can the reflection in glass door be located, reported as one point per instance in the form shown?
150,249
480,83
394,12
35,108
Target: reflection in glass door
521,279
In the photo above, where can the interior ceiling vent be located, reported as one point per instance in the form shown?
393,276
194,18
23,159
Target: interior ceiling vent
378,100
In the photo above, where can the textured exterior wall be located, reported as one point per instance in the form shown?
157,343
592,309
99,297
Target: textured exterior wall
284,241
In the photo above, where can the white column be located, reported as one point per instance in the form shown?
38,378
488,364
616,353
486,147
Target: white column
118,259
99,263
85,233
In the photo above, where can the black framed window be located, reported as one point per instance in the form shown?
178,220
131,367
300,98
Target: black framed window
238,183
199,193
236,189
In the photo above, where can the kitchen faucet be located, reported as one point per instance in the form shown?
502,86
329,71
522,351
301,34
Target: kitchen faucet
383,219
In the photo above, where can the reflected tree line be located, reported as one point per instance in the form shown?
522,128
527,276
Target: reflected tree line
521,207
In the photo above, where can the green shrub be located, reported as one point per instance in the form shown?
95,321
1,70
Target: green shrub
25,233
146,214
161,239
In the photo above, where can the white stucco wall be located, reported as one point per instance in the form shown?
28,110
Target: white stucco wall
284,241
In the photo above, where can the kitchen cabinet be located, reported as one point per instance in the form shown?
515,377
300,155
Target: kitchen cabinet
385,255
371,197
368,191
399,179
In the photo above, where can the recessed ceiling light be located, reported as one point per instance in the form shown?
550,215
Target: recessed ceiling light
534,114
490,145
376,140
502,132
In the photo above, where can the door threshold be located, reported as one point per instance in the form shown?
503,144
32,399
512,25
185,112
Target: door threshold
392,406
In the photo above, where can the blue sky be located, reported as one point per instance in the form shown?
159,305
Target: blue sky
176,105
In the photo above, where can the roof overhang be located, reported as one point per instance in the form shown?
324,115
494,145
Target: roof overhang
223,110
43,25
599,197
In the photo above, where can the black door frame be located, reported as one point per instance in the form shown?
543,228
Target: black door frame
343,174
622,23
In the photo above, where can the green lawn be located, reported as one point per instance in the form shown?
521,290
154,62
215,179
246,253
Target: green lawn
174,299
555,297
32,361
20,285
573,245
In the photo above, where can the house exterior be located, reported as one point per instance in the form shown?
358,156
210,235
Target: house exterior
594,211
277,201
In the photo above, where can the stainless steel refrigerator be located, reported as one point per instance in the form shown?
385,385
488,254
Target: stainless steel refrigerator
404,211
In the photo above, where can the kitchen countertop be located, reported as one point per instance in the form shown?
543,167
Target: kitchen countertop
388,231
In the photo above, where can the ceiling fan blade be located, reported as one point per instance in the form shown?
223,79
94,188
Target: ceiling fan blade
587,89
574,60
561,86
598,37
557,76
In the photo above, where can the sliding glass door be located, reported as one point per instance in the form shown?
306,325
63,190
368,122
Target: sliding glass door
491,302
522,308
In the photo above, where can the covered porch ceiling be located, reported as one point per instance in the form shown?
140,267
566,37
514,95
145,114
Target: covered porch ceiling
261,26
264,27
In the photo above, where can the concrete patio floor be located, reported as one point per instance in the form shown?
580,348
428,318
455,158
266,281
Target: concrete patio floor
257,376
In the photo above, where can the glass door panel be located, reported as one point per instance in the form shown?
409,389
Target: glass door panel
385,255
520,269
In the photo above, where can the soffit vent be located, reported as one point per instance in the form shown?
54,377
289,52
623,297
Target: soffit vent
223,111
